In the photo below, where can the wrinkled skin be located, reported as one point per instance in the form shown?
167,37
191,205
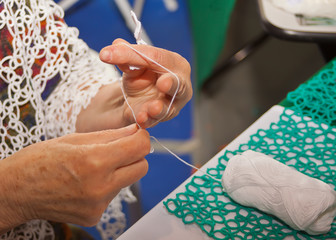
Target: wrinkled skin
73,178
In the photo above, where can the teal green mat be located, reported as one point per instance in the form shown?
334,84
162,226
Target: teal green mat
304,138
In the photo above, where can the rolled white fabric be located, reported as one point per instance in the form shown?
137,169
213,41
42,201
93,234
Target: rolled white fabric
255,180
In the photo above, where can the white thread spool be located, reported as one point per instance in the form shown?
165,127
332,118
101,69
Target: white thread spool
255,180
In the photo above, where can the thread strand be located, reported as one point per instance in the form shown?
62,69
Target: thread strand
169,106
167,70
183,161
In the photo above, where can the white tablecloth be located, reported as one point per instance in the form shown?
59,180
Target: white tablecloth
158,224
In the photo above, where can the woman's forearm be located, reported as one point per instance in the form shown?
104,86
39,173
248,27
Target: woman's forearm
11,214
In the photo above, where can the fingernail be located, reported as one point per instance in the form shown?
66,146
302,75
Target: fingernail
105,55
151,149
132,68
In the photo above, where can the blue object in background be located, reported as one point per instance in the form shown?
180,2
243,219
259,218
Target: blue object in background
100,23
164,175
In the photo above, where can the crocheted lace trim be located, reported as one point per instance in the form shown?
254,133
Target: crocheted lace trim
303,138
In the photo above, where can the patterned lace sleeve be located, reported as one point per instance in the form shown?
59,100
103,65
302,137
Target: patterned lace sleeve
81,75
47,75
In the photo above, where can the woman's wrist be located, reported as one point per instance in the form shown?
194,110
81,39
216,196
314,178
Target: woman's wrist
105,111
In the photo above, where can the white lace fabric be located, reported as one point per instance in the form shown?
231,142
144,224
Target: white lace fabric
81,76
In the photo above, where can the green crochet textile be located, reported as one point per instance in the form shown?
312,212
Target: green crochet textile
304,138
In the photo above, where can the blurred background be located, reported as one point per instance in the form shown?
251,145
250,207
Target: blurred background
238,71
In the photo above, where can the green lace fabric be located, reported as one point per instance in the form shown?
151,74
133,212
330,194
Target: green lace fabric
304,138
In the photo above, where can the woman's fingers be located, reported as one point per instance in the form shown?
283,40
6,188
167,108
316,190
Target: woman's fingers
168,84
123,53
156,81
129,174
174,85
99,137
157,109
124,151
73,178
151,112
156,112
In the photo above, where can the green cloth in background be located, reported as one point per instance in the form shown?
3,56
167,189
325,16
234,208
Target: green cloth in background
209,23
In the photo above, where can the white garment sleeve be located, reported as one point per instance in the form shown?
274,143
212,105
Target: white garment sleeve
39,35
82,76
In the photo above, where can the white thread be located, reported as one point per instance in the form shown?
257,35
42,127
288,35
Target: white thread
152,149
124,95
138,39
164,68
186,163
256,180
138,30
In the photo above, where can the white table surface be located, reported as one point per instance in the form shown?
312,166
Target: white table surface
159,224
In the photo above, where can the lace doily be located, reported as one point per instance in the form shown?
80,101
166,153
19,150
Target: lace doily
47,71
304,138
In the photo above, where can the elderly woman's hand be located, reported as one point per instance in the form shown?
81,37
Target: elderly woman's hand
71,178
149,87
